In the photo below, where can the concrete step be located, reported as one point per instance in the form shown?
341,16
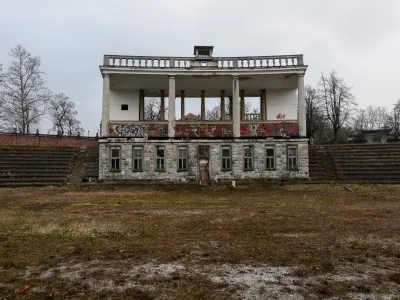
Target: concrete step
34,171
27,175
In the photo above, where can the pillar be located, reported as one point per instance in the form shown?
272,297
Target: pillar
105,115
230,108
162,105
235,107
182,104
222,105
263,104
242,105
171,107
141,105
203,105
302,106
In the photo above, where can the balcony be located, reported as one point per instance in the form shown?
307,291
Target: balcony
163,62
203,129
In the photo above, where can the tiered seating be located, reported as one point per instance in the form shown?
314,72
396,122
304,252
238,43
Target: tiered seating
375,163
25,166
91,164
321,166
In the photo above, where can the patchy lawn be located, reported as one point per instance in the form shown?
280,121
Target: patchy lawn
187,242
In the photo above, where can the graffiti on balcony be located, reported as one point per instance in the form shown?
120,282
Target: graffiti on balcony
157,130
281,129
127,130
137,130
203,130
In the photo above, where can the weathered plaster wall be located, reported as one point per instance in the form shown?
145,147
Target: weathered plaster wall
282,101
172,174
130,97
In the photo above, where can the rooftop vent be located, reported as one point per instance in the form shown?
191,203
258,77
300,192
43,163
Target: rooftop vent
203,52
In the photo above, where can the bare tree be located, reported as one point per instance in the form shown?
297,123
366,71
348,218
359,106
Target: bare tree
23,91
313,110
393,120
215,112
2,115
371,118
152,108
337,100
63,115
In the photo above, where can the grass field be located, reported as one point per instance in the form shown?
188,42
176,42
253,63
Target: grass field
178,242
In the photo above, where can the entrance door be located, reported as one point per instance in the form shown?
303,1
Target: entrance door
204,173
204,160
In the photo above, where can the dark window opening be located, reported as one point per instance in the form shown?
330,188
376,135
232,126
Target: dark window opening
204,152
226,155
270,158
115,159
182,158
124,106
248,158
138,159
160,159
292,158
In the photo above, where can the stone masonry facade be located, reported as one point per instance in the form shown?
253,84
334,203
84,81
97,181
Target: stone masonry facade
192,174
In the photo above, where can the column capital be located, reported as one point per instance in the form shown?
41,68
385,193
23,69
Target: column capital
203,92
263,90
105,75
300,75
222,92
235,76
171,76
182,92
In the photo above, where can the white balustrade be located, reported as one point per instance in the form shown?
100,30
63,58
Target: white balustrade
260,62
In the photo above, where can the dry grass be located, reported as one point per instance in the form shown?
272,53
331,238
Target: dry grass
336,242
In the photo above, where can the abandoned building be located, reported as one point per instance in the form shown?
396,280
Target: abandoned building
271,143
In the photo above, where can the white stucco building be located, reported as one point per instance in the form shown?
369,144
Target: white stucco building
236,145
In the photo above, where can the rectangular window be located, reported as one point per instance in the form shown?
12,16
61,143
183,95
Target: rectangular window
204,152
292,158
182,158
248,158
160,159
124,106
226,156
137,159
115,153
270,158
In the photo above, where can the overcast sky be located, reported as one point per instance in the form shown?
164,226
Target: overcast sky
358,38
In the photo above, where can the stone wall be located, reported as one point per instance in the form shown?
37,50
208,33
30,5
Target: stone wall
46,141
172,174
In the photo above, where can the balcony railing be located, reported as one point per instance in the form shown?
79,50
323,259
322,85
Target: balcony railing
250,117
249,62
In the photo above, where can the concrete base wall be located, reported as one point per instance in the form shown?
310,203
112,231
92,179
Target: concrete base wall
172,174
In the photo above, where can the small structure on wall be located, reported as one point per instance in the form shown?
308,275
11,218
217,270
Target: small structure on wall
138,144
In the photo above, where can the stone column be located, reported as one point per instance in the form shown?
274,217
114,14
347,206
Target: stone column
162,105
141,105
222,105
242,106
301,106
236,107
182,104
263,106
230,107
171,107
203,105
105,115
